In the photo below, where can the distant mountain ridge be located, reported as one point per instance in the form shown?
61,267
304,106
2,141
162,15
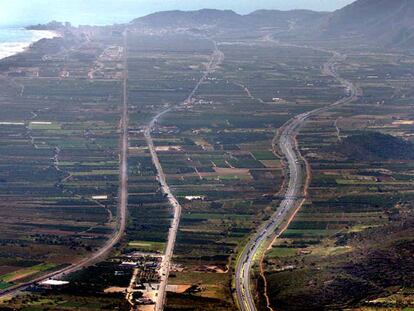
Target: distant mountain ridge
381,22
387,22
188,18
228,18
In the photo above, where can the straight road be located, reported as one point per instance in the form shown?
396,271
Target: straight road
295,190
101,253
216,58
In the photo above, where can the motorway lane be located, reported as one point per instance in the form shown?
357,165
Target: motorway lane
122,202
287,146
295,190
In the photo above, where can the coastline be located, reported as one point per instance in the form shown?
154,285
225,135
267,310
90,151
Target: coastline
8,49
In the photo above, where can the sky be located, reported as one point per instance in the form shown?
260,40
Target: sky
101,12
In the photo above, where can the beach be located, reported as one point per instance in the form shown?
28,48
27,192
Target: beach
19,40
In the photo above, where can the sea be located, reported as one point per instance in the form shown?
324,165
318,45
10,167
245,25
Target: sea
15,40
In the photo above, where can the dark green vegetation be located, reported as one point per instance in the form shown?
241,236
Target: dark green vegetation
374,146
85,291
67,302
94,280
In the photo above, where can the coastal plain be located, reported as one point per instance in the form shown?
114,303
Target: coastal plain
61,127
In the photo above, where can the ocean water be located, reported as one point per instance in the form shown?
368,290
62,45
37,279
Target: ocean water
15,40
14,35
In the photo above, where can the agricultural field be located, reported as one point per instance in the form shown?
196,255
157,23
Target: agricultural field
59,158
218,156
152,63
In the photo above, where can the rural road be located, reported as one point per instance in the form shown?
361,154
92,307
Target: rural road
293,199
102,252
216,58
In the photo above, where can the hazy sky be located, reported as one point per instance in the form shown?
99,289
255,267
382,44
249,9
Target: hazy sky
110,11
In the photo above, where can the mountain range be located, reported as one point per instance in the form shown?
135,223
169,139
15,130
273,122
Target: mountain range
227,19
381,22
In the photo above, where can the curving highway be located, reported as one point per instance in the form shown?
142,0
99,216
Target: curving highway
293,199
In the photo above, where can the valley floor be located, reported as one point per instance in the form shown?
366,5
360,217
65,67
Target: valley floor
60,129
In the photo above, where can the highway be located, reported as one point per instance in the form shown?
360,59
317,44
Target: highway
216,58
102,252
296,188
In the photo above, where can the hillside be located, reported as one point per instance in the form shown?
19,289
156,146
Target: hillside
294,18
205,17
380,22
379,265
384,22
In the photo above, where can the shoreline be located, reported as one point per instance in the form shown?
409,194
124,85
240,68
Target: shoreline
8,49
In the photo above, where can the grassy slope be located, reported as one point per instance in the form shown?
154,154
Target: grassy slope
380,264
